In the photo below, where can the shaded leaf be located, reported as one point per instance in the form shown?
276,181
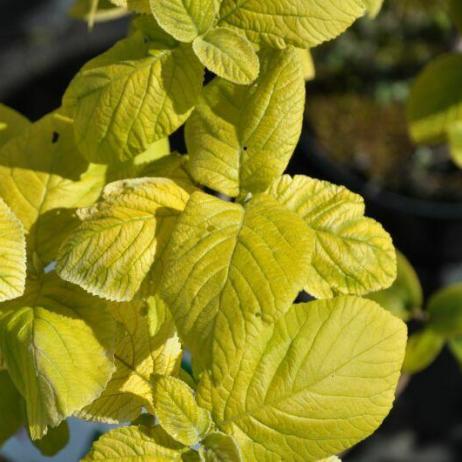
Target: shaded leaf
422,349
11,408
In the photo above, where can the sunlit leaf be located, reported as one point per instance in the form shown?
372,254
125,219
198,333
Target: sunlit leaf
240,138
316,382
353,254
226,263
219,447
57,344
112,251
177,411
147,345
11,123
131,96
302,23
228,54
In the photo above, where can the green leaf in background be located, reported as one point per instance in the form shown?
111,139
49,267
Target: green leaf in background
405,297
455,8
137,6
54,441
177,411
94,11
11,123
147,344
112,251
455,346
422,349
219,447
11,408
445,311
133,95
57,344
140,444
43,179
12,255
435,102
185,19
241,138
302,23
226,263
353,254
228,54
278,388
455,142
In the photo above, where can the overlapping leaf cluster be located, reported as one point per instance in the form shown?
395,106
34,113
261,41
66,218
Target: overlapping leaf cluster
130,260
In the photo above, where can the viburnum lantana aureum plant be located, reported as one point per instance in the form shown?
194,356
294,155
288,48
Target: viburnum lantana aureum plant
136,255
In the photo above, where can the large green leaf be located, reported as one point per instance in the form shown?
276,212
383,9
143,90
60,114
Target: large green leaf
353,254
11,123
133,95
57,345
435,102
177,411
136,444
302,23
405,297
445,311
315,383
185,19
112,251
226,263
422,349
147,345
10,408
43,179
12,255
241,138
228,54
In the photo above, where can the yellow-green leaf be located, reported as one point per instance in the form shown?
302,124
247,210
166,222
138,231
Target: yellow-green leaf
43,179
302,23
241,138
315,383
435,102
374,7
455,346
422,349
226,263
131,96
114,248
228,54
405,297
331,459
11,123
11,411
173,167
455,142
140,444
147,345
185,19
54,441
219,447
445,311
12,255
94,11
177,411
57,345
306,58
138,6
353,254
